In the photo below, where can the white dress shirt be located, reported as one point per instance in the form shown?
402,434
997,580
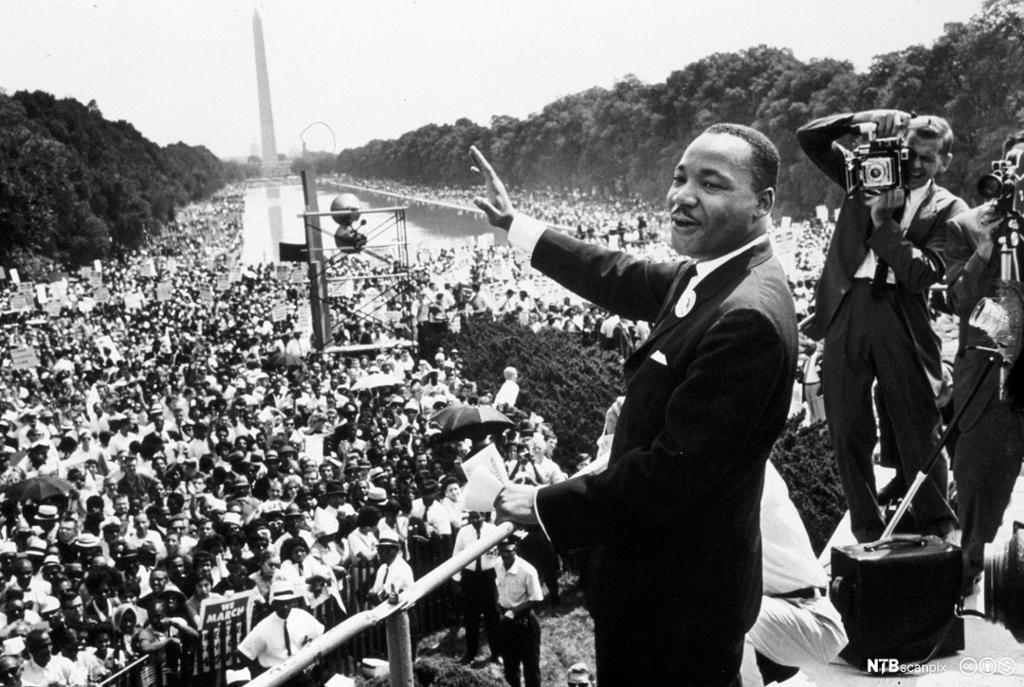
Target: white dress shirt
467,536
266,642
518,584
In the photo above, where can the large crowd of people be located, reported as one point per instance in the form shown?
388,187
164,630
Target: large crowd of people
209,452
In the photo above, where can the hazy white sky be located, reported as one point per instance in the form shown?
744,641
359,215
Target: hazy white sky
184,69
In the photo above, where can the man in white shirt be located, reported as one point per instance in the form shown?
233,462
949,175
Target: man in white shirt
477,589
393,575
278,636
43,668
431,512
797,624
519,592
508,394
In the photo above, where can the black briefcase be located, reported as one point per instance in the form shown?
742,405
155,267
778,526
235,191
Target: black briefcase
898,599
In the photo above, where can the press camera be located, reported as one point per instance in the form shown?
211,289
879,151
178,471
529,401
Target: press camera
1005,184
880,164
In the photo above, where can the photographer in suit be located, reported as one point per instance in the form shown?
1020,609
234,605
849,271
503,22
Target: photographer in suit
871,309
991,443
674,518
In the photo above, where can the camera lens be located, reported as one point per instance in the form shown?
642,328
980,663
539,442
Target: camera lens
875,173
990,186
1004,584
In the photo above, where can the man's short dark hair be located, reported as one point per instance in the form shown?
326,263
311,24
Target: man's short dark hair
936,128
764,156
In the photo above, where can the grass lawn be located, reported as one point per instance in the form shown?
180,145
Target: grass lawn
567,637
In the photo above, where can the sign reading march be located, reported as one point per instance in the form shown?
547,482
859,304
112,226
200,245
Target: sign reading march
24,358
222,625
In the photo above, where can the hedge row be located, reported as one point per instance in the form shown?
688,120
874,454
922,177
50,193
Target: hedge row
571,385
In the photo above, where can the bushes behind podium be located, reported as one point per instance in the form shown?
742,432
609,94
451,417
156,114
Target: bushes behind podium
564,381
571,385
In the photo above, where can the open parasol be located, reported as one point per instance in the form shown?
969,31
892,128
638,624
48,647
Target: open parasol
469,422
38,488
375,381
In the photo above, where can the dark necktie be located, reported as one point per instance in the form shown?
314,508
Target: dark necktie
479,565
878,281
287,639
881,266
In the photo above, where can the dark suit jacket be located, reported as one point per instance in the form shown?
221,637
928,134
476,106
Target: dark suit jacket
676,514
915,257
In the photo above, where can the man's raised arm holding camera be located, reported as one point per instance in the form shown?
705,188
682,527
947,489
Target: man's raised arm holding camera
991,441
871,302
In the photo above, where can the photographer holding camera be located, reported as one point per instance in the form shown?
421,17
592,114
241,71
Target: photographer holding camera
991,442
871,303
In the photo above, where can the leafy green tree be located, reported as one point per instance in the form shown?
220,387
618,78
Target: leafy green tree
621,141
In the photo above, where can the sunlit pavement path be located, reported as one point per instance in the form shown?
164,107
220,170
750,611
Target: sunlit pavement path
984,640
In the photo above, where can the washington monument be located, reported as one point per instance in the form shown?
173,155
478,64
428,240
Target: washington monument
268,143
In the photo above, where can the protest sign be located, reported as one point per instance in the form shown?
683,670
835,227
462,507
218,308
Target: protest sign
279,313
163,292
133,301
106,344
305,321
20,302
24,358
222,626
102,295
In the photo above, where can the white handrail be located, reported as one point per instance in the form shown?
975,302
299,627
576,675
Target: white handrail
358,623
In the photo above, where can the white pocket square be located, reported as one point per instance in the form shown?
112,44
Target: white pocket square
659,357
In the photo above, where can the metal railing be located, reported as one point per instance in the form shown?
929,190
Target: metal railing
142,672
396,617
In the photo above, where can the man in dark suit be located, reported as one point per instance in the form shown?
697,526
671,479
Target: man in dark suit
871,308
991,442
677,575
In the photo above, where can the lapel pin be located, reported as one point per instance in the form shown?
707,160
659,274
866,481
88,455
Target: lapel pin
686,303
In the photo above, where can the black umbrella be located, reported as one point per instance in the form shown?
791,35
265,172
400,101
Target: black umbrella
472,422
38,488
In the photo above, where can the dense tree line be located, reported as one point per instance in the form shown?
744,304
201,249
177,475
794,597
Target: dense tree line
75,186
624,139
